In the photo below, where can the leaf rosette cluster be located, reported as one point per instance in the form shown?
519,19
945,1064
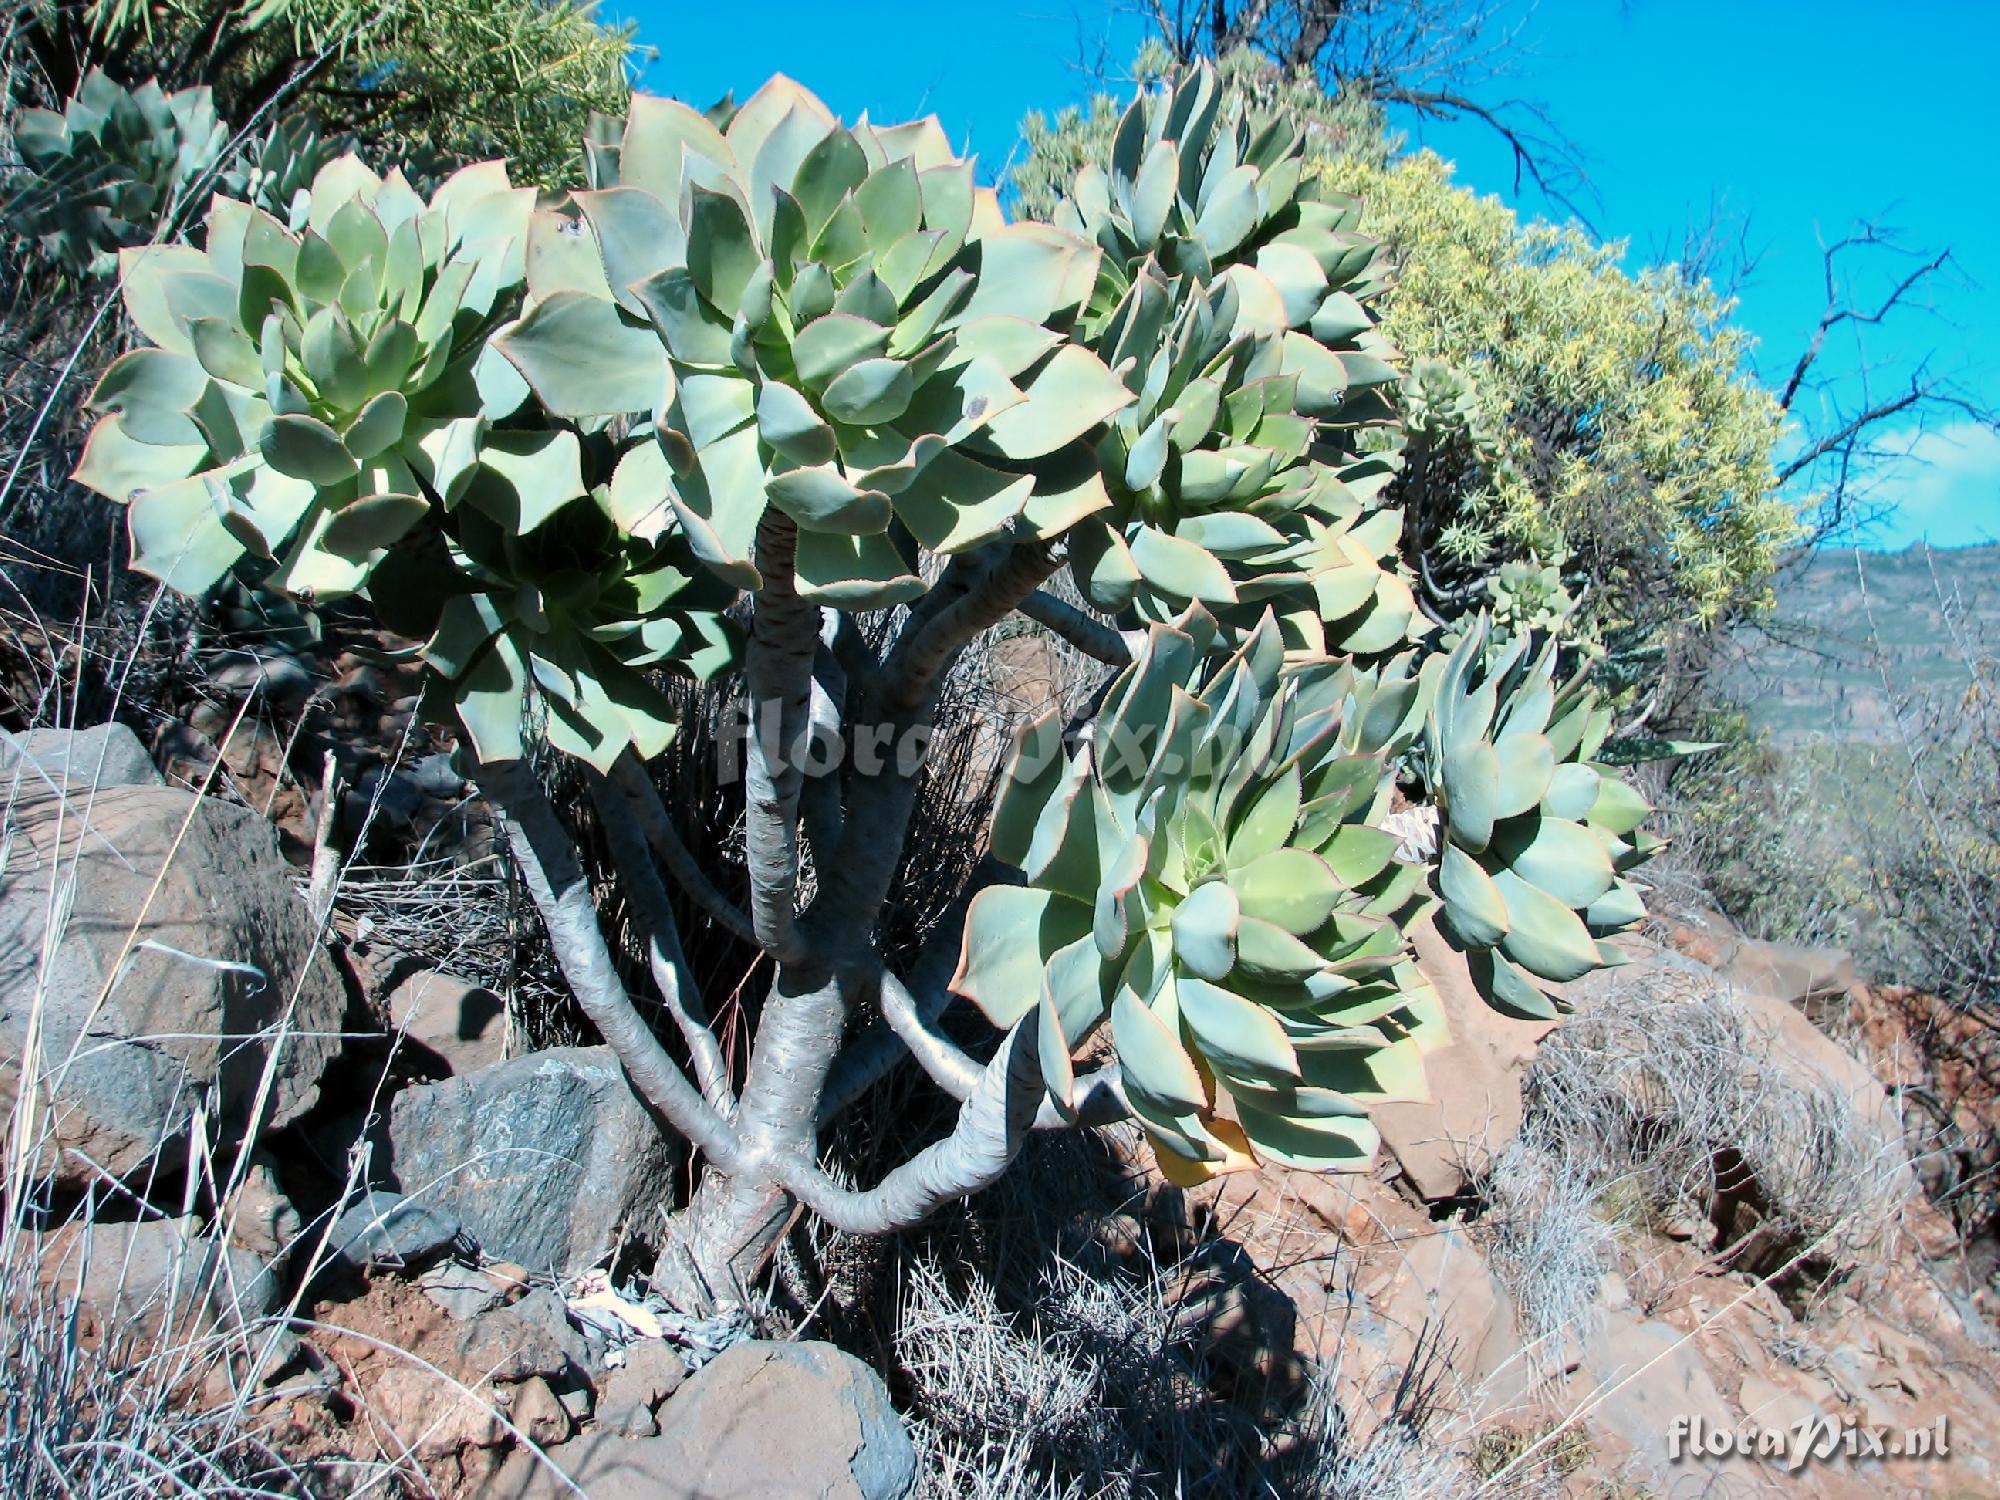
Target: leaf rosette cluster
326,407
1207,869
1234,299
114,167
829,325
1538,837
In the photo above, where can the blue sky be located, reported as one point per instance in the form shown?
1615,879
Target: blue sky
1790,120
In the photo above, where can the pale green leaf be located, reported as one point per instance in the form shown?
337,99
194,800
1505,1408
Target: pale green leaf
1010,932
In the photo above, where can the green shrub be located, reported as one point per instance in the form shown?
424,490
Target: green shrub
517,78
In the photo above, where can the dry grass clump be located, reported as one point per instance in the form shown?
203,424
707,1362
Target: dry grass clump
1062,1339
1395,1464
120,1383
1095,1391
1516,1461
996,1404
1665,1101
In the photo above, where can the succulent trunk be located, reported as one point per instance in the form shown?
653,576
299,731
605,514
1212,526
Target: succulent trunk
726,1235
722,1240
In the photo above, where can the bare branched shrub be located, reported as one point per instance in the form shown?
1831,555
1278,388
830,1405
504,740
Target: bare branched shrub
1932,865
1666,1099
1414,1450
1035,1358
1763,836
1089,1392
451,914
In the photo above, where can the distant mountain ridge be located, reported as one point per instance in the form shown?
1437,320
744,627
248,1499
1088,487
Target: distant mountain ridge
1848,620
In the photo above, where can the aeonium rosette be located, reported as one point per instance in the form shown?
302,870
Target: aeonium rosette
1208,870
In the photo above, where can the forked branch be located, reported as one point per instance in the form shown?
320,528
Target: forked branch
926,651
547,860
640,800
666,960
992,1125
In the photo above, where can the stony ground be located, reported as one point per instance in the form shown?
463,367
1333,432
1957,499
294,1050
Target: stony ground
415,1246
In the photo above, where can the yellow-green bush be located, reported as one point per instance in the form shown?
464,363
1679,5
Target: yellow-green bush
1619,405
517,78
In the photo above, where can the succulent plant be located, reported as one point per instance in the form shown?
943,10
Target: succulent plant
276,171
580,607
320,406
1207,868
1232,296
1528,599
1439,401
828,320
115,167
1537,836
309,394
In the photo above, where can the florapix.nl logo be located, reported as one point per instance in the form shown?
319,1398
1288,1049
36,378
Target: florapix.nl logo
1815,1439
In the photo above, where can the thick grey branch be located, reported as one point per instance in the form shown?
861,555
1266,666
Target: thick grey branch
549,867
797,1037
664,955
784,632
1091,636
737,1217
850,649
1100,1094
939,1056
924,653
642,801
991,1127
877,1051
819,798
881,789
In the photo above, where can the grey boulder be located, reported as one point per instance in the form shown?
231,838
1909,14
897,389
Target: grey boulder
381,1228
759,1422
460,1024
805,1419
462,1291
76,759
542,1159
181,967
629,1395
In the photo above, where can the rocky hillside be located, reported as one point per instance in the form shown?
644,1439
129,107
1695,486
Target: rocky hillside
1684,1213
1848,622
